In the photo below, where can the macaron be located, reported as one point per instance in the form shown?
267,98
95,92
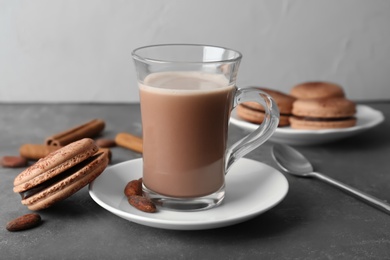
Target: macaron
254,112
317,89
323,113
60,174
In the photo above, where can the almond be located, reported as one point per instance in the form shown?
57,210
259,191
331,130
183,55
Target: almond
13,161
24,222
142,203
134,187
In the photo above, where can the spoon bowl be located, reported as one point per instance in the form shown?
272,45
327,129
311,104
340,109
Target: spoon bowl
293,162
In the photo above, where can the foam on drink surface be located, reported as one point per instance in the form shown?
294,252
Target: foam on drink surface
185,82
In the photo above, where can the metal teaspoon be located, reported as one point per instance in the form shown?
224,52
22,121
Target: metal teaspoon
293,162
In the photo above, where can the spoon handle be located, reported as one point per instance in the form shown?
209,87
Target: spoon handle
359,194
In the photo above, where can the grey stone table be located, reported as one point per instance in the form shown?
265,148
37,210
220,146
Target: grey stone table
314,221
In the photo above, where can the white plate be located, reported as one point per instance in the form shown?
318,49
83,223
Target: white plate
251,189
367,118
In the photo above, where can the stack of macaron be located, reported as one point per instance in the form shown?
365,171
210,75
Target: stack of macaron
309,105
321,105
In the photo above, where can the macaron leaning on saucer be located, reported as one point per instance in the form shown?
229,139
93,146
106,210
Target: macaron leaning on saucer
254,112
325,113
317,89
60,174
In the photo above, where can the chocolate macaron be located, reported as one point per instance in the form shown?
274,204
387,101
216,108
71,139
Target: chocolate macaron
317,89
60,174
254,112
323,113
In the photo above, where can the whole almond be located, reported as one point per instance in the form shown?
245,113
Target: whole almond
24,222
13,161
142,203
134,187
105,143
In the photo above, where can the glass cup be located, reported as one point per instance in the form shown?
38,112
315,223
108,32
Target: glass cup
187,93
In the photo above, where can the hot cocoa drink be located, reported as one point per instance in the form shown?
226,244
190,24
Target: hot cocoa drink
185,119
187,92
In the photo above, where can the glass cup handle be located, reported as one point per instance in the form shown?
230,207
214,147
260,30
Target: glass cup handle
262,133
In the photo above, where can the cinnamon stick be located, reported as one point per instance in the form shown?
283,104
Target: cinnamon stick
129,141
87,130
36,151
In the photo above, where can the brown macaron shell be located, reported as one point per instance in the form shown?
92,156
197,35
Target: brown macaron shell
323,113
257,116
313,125
80,176
254,112
317,89
54,164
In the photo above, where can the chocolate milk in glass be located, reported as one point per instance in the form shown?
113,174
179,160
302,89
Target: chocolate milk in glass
185,123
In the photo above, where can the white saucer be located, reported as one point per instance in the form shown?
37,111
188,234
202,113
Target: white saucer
367,118
251,189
